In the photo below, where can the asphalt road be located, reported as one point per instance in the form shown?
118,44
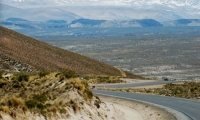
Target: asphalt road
123,85
190,108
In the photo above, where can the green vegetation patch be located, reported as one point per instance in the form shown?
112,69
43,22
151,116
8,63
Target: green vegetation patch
43,74
21,77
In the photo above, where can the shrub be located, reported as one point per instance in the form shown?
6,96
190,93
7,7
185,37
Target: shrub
31,104
75,107
69,74
16,85
2,83
4,109
40,98
16,102
63,111
97,103
88,93
52,109
43,74
22,77
58,74
37,101
1,73
41,106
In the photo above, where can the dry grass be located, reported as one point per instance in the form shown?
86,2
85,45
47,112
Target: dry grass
16,102
4,109
46,95
189,90
103,79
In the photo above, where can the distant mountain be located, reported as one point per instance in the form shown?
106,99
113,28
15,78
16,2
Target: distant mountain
183,22
104,23
18,22
15,19
57,21
69,10
41,56
149,23
36,14
87,22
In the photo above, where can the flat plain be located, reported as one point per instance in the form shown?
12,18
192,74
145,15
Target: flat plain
174,56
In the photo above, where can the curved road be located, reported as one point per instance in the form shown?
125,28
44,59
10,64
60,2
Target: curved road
190,108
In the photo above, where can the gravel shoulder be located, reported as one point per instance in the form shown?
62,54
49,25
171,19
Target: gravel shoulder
145,110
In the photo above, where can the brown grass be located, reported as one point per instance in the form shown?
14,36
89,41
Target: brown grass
4,109
104,79
44,57
189,90
16,102
43,95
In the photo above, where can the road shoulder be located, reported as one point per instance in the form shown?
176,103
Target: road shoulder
145,110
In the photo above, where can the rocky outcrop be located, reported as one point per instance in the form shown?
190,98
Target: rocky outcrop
9,64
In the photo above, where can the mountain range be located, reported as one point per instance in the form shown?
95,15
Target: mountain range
18,23
69,10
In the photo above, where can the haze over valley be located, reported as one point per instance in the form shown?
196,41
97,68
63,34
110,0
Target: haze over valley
153,56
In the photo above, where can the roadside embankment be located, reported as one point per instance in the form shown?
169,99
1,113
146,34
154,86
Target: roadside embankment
143,110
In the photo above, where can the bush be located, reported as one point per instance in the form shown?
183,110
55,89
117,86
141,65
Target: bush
75,107
22,77
16,85
97,103
69,74
2,83
31,103
37,101
40,98
43,74
63,111
4,109
16,102
88,93
41,106
1,73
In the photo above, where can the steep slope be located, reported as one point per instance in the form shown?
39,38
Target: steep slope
42,56
50,98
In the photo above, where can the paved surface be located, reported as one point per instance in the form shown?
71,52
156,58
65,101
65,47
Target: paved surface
123,85
190,108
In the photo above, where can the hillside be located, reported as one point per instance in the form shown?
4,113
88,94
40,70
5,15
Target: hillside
50,96
27,54
42,56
